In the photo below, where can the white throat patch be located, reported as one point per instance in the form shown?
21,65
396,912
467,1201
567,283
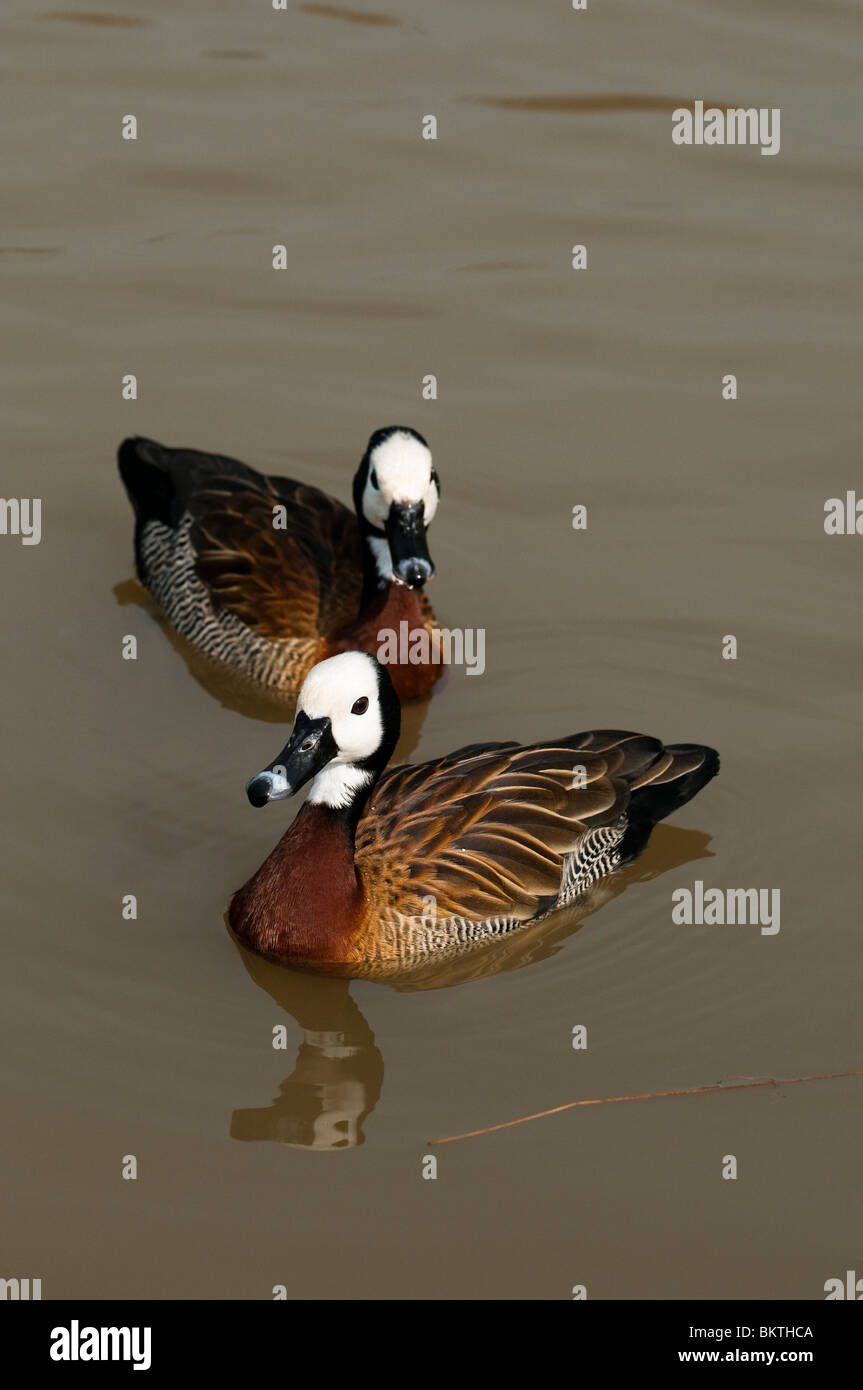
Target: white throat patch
380,548
337,784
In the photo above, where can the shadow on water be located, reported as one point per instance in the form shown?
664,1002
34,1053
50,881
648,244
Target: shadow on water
231,690
235,693
339,1070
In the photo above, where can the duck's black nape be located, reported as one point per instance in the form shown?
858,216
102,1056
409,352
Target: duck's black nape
391,720
375,763
651,804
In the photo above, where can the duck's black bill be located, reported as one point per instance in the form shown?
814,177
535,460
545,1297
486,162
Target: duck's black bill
310,747
406,535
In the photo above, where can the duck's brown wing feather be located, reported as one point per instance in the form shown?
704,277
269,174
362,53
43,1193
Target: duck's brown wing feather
299,581
485,831
303,580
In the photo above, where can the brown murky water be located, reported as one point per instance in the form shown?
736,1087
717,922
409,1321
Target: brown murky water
407,257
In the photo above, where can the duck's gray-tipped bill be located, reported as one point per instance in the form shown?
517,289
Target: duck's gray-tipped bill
406,536
271,785
310,747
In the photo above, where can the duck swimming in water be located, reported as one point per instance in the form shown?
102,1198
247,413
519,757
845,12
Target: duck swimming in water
383,869
267,576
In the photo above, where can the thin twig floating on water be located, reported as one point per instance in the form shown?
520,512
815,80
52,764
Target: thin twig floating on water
649,1095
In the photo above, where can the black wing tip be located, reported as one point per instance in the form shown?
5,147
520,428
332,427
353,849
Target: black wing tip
709,766
653,803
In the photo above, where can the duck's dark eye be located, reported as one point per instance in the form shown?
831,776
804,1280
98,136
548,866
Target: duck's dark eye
373,478
360,706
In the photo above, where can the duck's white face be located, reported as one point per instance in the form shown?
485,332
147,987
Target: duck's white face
399,497
344,690
400,471
346,728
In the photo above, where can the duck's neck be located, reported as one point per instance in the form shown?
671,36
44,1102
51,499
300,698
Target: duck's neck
384,606
306,900
387,609
375,557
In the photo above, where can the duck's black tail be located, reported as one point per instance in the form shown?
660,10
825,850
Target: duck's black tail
146,475
692,767
145,468
164,484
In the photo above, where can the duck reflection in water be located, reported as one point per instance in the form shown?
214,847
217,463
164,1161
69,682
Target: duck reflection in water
338,1073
